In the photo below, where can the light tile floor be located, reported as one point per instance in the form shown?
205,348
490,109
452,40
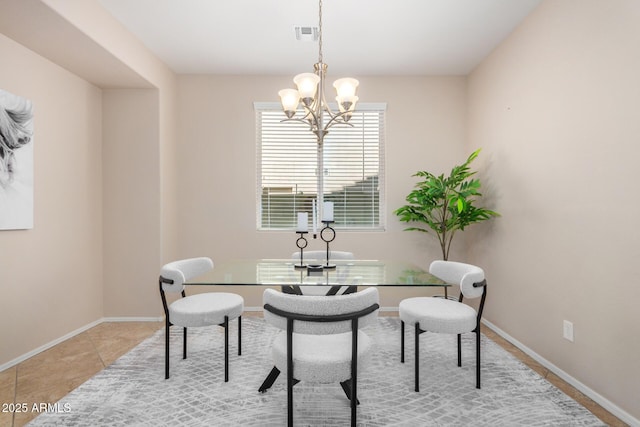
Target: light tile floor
50,375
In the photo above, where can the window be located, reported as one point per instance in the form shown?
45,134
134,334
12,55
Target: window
352,162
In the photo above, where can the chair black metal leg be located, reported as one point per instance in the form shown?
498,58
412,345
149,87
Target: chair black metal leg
240,336
290,372
166,350
459,350
417,356
478,357
271,378
184,343
289,404
346,387
226,349
354,406
354,370
402,341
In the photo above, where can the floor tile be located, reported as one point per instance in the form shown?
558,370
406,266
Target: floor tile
7,394
50,375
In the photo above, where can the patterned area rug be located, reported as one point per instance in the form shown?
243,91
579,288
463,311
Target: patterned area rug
133,391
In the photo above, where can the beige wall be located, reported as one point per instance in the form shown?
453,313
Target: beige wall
51,275
131,202
217,165
139,149
98,156
556,108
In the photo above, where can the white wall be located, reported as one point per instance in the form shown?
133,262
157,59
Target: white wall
556,108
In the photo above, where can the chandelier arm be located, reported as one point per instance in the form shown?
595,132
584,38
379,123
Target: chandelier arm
335,119
305,121
313,120
293,119
325,106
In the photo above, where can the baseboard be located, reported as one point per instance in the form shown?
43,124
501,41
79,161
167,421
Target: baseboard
72,334
48,345
132,319
595,396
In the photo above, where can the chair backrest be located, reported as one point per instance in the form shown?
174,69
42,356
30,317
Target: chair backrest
174,274
320,315
322,255
465,275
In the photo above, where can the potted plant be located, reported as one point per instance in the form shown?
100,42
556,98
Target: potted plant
445,204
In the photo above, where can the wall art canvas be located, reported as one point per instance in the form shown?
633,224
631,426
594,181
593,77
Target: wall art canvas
16,162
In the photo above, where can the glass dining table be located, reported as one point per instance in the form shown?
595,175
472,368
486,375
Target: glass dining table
289,274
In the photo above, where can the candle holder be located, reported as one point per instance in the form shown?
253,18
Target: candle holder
328,234
301,243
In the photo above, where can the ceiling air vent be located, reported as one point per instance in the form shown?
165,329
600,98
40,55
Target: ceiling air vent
306,34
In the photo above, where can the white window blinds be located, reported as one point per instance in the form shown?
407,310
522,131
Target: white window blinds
352,160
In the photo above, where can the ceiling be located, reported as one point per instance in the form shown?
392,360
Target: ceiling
360,37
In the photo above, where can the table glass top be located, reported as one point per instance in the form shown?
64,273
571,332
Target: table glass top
279,272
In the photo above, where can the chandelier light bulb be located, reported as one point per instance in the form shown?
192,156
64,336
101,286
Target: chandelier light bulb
307,85
346,87
289,99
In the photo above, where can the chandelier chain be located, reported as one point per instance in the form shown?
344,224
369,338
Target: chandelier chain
320,32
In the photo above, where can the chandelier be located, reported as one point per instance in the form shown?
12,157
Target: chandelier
310,92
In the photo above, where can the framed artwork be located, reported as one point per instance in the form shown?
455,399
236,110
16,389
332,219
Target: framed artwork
16,162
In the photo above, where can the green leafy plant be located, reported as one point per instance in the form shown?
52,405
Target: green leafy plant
445,204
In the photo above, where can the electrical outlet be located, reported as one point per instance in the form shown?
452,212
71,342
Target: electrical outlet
567,331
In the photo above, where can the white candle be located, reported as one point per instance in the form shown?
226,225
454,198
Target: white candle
315,226
327,211
303,219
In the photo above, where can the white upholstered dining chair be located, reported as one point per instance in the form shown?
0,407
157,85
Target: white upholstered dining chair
440,315
321,340
205,309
